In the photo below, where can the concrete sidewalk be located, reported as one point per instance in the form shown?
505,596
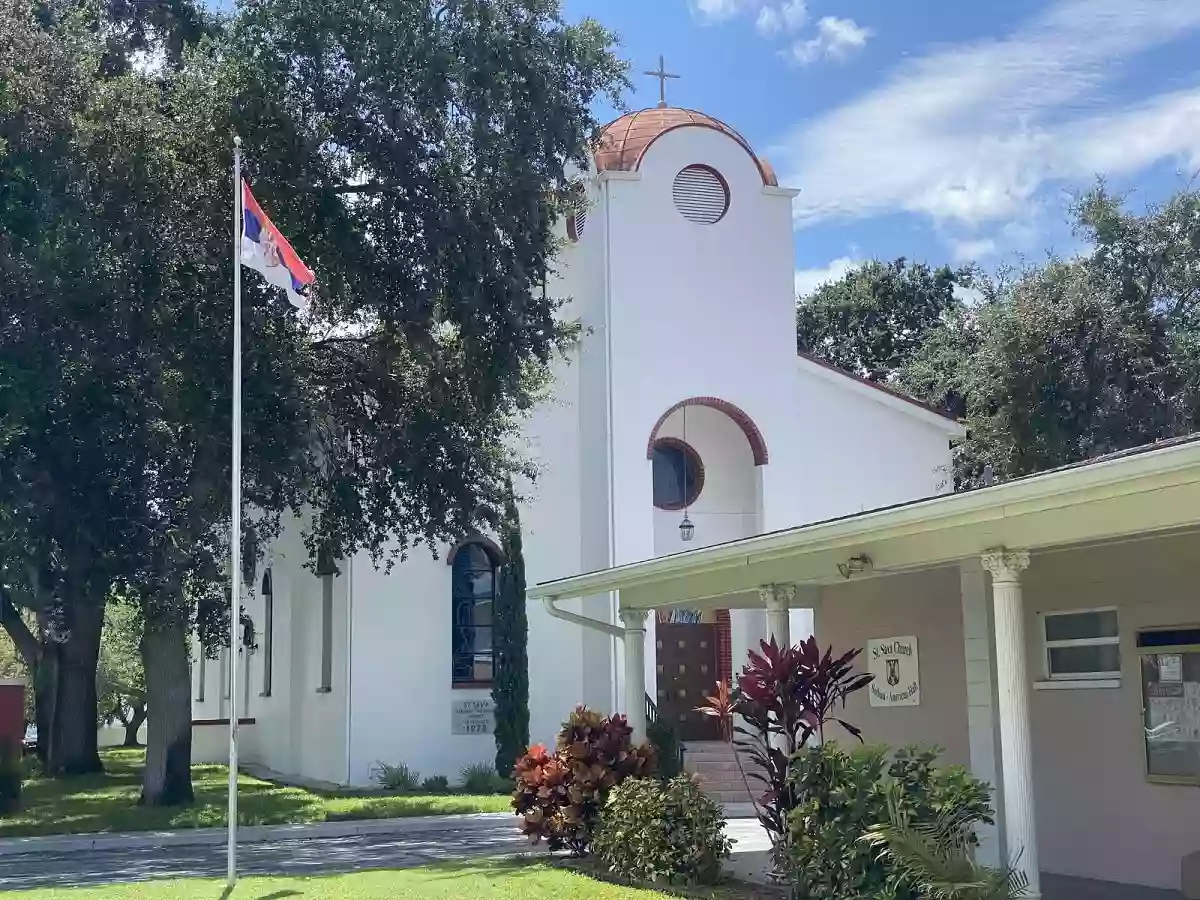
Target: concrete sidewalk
249,834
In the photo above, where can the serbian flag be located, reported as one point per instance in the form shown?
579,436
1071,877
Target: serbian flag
267,252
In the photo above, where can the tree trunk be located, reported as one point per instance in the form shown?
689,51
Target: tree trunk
134,725
43,701
168,777
73,715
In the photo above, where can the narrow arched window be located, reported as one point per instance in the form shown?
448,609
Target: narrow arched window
268,637
472,594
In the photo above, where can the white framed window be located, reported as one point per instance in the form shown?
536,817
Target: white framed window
1082,644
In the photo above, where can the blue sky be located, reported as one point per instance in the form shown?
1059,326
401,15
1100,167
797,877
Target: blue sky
940,130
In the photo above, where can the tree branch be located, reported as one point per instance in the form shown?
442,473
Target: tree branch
24,639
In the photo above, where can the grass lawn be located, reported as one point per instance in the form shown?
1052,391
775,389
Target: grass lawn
479,881
108,802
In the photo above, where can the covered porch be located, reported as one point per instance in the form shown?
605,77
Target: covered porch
1056,651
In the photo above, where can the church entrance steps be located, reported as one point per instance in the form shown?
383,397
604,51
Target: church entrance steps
715,765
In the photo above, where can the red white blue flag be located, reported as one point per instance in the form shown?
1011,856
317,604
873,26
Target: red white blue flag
267,252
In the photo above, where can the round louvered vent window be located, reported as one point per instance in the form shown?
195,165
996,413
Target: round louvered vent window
575,224
701,194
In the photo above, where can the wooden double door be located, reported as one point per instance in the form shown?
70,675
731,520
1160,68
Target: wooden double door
686,662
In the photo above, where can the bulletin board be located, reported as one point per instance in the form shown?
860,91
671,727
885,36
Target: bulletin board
1171,713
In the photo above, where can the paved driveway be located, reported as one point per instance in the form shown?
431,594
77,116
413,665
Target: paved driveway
307,856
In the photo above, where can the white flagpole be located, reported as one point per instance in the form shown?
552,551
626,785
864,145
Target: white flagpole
235,537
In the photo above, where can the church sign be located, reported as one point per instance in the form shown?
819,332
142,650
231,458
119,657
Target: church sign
472,717
893,662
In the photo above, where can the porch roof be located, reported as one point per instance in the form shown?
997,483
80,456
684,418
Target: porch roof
1124,496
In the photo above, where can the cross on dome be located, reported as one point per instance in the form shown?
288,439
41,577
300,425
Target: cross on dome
662,75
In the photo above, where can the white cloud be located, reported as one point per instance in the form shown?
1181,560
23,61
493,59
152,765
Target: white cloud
969,296
808,280
720,10
835,39
972,249
787,17
973,132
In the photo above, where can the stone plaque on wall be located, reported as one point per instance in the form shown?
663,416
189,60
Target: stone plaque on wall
893,662
472,717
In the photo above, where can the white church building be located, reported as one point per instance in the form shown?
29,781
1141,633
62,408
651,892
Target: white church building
1044,632
685,399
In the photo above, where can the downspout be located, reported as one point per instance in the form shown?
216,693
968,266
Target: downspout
584,621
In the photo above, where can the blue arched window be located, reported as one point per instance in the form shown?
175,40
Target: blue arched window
473,592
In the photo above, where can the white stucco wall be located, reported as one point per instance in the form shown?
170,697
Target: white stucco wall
727,506
401,675
859,452
296,730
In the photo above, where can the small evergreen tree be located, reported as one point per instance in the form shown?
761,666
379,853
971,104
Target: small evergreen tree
510,638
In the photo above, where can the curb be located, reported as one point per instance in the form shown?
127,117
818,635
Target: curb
247,834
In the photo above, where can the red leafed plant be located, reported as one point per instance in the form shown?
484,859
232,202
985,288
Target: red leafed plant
785,696
559,795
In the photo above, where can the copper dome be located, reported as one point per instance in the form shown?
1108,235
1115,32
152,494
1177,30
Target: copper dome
623,143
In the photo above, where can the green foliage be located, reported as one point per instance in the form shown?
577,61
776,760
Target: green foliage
936,857
843,795
665,740
1074,358
784,697
121,678
670,831
421,184
510,639
398,777
559,795
875,318
12,772
479,778
436,784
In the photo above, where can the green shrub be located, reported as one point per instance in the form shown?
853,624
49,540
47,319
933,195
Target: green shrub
479,778
11,773
664,831
559,795
502,785
844,795
396,778
666,748
436,784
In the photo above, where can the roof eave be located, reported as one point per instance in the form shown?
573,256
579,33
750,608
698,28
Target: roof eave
1059,488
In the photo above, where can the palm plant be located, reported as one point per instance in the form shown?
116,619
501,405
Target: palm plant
936,859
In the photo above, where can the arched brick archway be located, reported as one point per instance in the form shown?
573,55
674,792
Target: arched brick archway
754,437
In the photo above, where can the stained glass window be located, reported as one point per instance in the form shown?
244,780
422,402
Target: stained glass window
473,591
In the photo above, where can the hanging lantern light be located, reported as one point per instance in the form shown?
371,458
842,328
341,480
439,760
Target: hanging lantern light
686,528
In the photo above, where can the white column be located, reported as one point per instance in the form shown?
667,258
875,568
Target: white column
981,698
634,621
778,600
1012,678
